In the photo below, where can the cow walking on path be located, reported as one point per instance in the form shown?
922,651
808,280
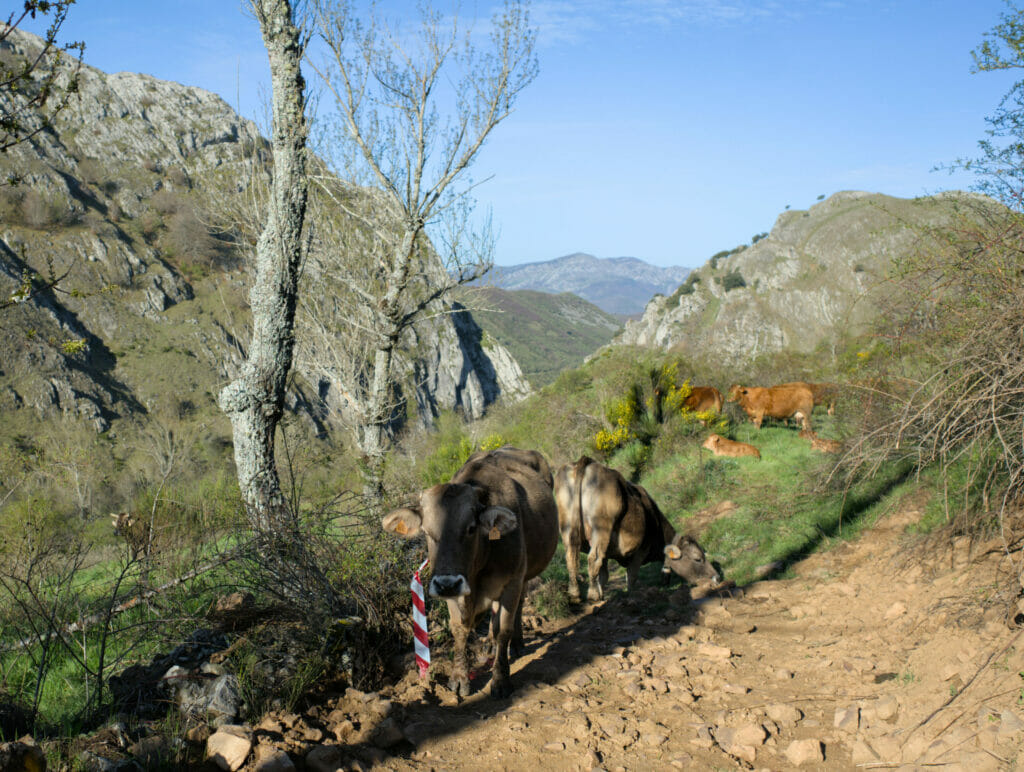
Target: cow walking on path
489,530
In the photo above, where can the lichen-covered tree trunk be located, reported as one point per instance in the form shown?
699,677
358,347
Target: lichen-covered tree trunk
254,401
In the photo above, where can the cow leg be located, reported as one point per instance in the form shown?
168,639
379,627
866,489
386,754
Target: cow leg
757,419
511,607
805,422
571,542
518,644
633,570
597,569
459,624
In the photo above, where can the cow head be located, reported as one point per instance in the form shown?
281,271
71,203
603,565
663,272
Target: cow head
457,524
734,393
712,442
685,557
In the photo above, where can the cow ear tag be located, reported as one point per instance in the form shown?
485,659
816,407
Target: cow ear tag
494,534
401,528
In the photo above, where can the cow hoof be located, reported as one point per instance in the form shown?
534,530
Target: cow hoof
459,685
501,689
594,595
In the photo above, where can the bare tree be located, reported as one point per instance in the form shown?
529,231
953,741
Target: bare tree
254,401
411,113
31,88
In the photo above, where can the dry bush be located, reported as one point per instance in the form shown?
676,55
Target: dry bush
948,393
189,239
166,201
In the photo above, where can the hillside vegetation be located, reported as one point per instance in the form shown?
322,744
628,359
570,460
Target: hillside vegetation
546,333
815,280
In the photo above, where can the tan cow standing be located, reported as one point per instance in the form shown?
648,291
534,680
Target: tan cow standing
489,530
599,509
775,402
823,393
704,399
722,446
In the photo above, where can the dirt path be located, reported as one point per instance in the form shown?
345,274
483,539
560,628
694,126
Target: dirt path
868,658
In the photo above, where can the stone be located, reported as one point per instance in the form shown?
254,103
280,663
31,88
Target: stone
914,747
801,752
897,609
653,739
1010,725
783,714
22,756
324,758
735,689
713,651
269,759
750,734
229,747
847,719
149,751
554,747
887,748
343,730
387,734
886,707
862,753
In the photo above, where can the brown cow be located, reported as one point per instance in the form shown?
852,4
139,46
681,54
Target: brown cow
721,446
774,402
704,399
489,530
599,509
531,458
820,444
136,533
823,393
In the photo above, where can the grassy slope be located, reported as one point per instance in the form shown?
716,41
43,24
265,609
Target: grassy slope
545,333
783,512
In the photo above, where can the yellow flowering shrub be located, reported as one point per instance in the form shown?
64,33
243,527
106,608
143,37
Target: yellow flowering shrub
492,442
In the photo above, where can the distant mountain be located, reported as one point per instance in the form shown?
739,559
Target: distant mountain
618,285
811,281
545,333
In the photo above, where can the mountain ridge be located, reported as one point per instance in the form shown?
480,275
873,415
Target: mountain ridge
617,285
812,280
153,310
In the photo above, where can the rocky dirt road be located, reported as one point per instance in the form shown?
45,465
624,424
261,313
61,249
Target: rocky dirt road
869,658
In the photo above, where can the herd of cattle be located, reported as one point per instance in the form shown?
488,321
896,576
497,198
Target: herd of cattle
496,525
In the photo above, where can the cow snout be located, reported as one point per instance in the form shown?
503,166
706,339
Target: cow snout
449,586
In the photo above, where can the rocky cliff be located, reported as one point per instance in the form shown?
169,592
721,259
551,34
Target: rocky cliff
811,281
151,308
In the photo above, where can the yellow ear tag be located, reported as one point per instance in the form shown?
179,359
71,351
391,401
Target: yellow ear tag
494,534
401,528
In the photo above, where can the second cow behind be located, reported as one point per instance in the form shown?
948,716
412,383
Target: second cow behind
598,508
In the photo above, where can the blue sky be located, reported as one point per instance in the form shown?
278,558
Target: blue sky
661,129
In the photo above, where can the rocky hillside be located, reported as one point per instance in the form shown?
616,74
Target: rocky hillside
811,280
618,285
546,333
128,199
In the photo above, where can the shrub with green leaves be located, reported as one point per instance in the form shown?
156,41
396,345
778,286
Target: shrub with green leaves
733,280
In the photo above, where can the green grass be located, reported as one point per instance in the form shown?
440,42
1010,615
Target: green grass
546,333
